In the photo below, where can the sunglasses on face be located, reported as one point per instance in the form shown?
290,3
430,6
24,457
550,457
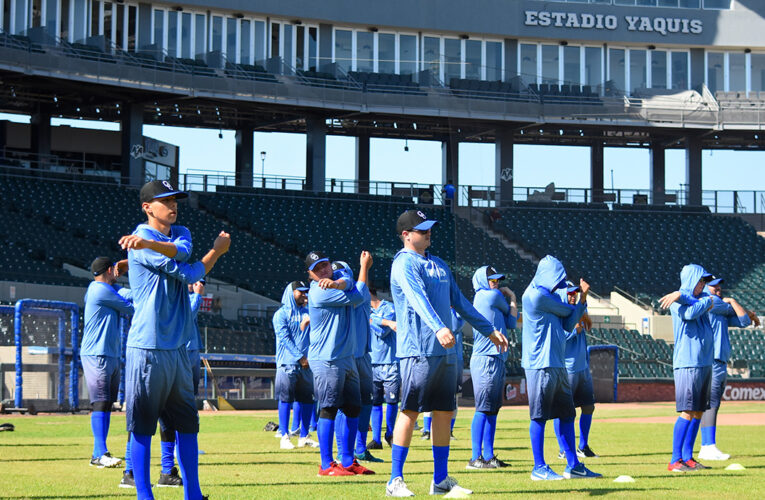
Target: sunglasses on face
494,281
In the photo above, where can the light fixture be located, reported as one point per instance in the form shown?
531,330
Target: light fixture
373,29
563,42
220,134
406,145
262,155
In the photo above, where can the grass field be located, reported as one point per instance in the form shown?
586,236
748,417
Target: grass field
47,457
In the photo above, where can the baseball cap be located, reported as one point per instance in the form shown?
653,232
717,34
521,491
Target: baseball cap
340,265
492,274
707,277
203,281
100,265
413,219
571,288
155,190
715,281
314,258
299,285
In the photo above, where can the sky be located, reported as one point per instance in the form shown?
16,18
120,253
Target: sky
534,166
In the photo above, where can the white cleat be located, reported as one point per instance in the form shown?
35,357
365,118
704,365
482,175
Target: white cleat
278,434
397,488
710,452
307,441
286,444
449,488
106,461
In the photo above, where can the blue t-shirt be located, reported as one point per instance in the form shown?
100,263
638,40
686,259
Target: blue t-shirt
493,306
291,342
722,316
361,326
331,313
383,337
423,290
195,342
101,331
457,324
547,318
577,356
163,318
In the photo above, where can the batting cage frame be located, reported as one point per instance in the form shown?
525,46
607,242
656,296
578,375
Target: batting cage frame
614,348
56,309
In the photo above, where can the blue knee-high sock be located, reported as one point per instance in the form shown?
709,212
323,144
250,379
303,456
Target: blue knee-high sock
284,417
569,438
426,428
188,460
306,410
167,455
128,455
363,429
376,418
391,412
440,463
488,436
476,433
107,423
140,449
325,430
295,416
690,438
537,433
314,417
351,428
678,437
451,429
340,434
397,459
558,435
97,424
708,435
585,422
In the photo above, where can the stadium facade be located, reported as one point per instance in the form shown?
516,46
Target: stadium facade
648,73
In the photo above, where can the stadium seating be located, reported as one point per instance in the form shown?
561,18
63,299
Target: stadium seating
642,252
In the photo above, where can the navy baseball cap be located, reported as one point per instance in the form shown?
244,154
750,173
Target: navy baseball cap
299,286
203,281
414,220
314,258
100,265
492,274
340,265
155,190
715,281
571,288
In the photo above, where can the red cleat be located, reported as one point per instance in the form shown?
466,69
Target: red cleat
694,465
357,468
678,466
335,469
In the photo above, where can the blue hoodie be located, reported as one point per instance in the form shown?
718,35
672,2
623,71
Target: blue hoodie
383,338
547,318
163,317
331,312
291,343
101,331
423,290
195,341
493,306
721,316
694,340
457,324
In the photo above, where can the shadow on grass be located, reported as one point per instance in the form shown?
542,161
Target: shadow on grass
3,445
60,459
593,492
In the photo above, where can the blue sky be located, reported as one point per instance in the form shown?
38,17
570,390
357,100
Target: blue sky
202,149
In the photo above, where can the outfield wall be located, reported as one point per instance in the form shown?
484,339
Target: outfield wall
643,390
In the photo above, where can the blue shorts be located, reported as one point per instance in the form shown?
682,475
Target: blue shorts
460,370
719,378
102,375
196,373
693,387
581,388
488,374
366,386
158,383
294,383
336,383
386,384
549,394
424,383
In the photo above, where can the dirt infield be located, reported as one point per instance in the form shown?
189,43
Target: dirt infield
722,419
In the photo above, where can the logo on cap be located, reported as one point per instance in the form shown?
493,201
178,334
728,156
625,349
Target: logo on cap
167,185
313,256
421,214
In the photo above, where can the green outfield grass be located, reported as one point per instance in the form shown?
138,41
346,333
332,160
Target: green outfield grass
47,457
